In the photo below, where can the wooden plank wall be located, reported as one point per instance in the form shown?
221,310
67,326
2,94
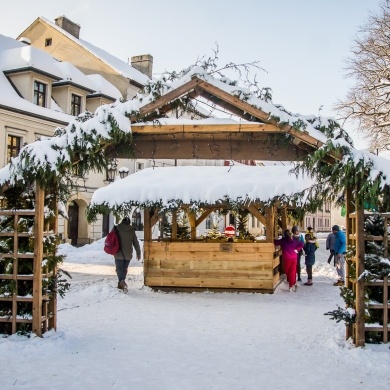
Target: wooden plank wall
211,265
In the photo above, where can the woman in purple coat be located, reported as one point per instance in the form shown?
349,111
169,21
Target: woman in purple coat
290,249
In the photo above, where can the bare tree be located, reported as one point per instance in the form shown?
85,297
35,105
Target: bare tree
367,103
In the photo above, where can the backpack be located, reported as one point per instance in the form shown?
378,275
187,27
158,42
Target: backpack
112,243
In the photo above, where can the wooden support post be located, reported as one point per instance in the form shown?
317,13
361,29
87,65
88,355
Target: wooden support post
270,226
147,226
349,208
38,255
360,250
283,213
192,221
52,322
385,308
15,266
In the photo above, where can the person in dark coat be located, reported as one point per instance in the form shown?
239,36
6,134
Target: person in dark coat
310,258
128,240
340,250
330,241
290,249
298,236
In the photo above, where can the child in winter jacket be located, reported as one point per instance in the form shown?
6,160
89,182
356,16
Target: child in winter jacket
310,257
290,249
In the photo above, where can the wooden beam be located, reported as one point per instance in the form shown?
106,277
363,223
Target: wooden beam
154,218
147,226
257,113
385,308
169,107
192,221
253,127
283,213
38,256
349,208
235,146
270,225
360,250
168,97
225,105
205,214
256,213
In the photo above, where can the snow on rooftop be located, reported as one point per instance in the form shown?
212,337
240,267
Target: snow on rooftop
205,184
120,66
13,55
27,56
101,85
70,73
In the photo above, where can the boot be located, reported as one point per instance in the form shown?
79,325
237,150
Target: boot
308,283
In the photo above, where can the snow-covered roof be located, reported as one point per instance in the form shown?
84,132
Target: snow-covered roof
201,184
8,95
120,66
281,115
102,86
28,57
15,56
69,73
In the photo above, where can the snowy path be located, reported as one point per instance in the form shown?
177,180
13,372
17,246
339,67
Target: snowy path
152,340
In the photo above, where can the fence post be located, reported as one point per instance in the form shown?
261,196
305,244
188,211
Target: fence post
38,254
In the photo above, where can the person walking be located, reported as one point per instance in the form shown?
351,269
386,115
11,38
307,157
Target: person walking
330,240
128,239
310,258
298,236
340,249
290,249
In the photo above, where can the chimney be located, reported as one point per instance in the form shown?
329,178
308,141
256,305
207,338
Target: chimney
143,63
68,26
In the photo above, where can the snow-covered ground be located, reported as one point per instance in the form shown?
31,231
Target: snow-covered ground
154,340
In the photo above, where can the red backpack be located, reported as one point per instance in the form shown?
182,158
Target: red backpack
112,243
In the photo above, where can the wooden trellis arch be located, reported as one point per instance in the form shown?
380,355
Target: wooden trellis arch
257,139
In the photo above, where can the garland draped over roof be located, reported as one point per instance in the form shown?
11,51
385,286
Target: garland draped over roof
84,140
169,188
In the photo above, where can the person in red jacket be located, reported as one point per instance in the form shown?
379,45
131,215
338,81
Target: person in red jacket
290,249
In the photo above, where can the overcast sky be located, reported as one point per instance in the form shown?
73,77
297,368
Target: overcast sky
302,44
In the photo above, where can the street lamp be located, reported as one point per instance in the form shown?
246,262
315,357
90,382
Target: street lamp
111,170
123,172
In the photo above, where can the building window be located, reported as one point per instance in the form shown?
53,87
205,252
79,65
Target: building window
76,105
40,94
140,166
319,222
13,146
48,42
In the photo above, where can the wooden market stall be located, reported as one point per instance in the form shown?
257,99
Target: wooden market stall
217,262
222,263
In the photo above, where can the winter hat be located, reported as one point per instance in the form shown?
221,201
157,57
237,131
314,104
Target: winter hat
295,229
336,228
